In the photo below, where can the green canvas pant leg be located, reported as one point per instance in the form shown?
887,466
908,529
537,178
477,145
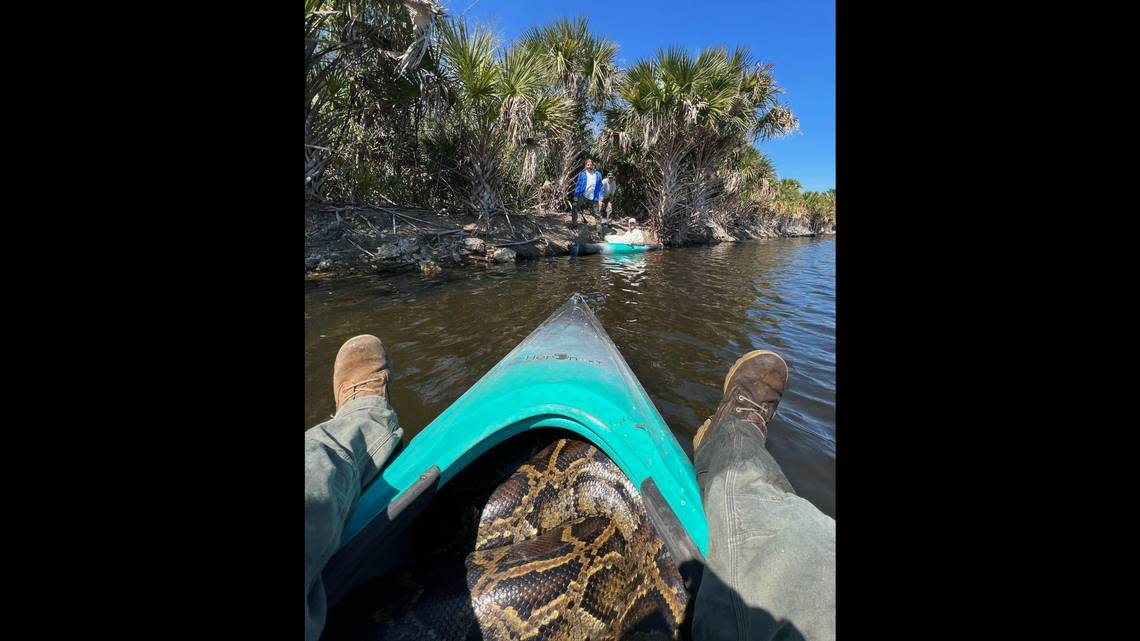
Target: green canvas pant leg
770,572
342,455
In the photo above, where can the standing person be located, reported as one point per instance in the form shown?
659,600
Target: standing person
587,192
609,188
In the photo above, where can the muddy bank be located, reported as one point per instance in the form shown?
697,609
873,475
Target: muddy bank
350,240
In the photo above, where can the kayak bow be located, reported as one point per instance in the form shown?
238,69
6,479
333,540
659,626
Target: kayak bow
566,374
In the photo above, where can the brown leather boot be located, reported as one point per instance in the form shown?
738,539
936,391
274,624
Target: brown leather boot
752,390
361,369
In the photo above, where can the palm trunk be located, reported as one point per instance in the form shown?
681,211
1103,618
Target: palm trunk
565,153
700,198
483,176
317,158
708,186
666,201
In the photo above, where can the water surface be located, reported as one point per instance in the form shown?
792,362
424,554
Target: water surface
680,318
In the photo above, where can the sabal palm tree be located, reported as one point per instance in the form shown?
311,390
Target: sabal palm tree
691,111
581,63
350,44
668,99
751,112
583,69
502,108
749,174
820,208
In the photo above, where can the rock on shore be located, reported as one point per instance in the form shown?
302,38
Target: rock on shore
348,240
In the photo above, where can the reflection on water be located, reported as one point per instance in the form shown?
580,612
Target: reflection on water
628,264
679,317
631,268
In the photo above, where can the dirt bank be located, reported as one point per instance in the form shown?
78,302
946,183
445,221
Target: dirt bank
351,240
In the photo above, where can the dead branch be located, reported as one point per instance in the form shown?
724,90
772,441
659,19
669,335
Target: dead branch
360,248
390,201
396,213
369,223
521,242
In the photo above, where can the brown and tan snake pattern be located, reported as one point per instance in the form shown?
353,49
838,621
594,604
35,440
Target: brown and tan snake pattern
562,550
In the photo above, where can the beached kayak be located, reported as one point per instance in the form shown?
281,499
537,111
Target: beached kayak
582,249
567,375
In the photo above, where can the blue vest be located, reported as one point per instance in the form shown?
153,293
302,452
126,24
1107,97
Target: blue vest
580,187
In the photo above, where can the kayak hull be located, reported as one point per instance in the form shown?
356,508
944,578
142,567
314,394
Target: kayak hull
569,375
583,249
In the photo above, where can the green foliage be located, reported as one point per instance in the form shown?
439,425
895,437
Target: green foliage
583,71
504,112
469,64
697,117
405,104
817,208
581,63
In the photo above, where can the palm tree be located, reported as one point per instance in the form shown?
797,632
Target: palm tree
788,196
355,50
583,69
694,114
400,103
668,100
752,174
820,208
501,110
324,80
753,114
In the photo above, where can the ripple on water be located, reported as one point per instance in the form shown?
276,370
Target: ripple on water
679,317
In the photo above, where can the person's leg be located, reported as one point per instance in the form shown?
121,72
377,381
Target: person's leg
771,565
578,204
342,455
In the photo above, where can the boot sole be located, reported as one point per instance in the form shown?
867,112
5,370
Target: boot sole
700,435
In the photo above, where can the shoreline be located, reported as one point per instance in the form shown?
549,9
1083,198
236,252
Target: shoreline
343,240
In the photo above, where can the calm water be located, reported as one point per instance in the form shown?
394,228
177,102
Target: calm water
680,318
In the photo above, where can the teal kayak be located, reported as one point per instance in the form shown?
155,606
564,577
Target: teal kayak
568,375
581,249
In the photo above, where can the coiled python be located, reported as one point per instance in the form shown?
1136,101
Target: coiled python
562,550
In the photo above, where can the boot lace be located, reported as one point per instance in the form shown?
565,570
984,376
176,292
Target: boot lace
357,388
758,414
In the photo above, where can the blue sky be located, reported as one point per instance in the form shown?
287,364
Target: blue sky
798,37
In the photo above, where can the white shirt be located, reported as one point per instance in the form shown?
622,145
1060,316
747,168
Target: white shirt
591,180
635,237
